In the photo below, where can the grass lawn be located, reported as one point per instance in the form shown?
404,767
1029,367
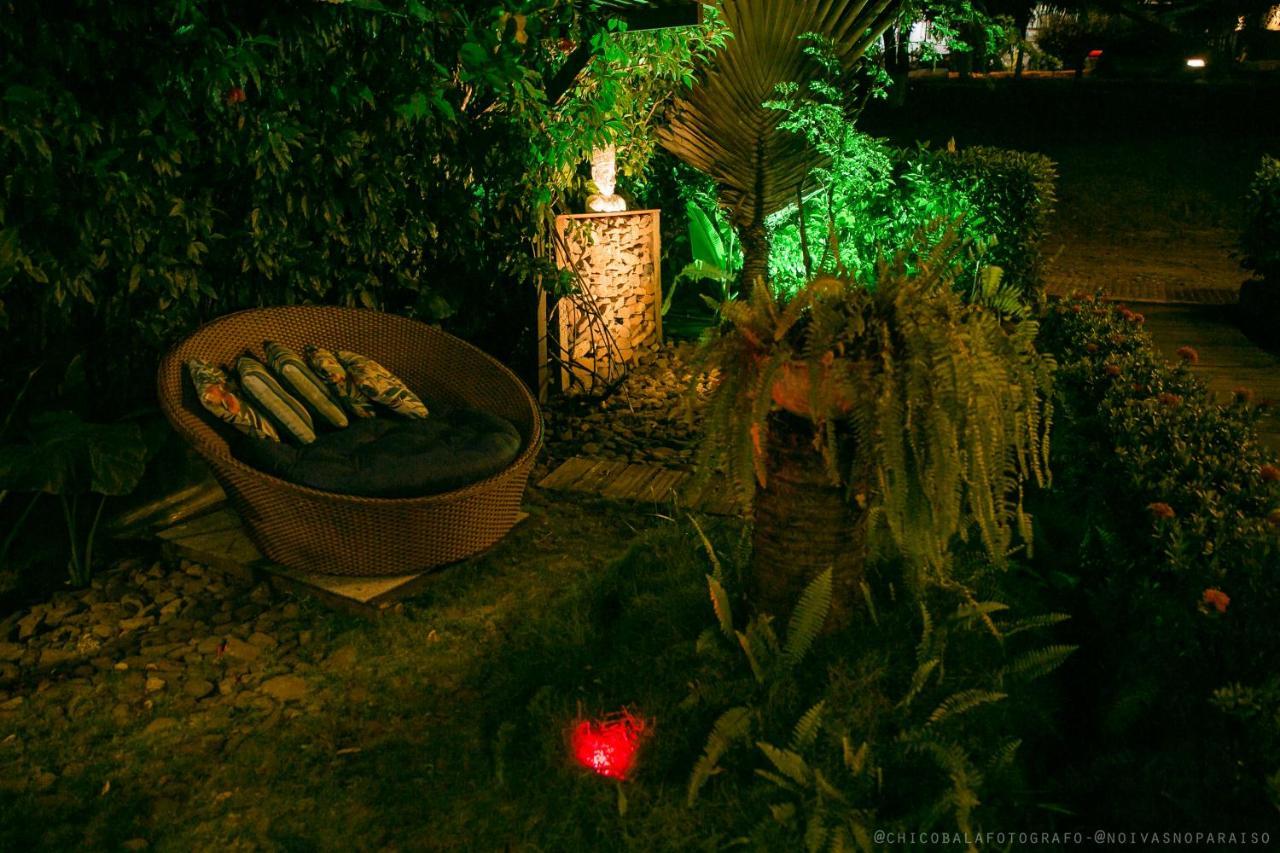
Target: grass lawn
438,726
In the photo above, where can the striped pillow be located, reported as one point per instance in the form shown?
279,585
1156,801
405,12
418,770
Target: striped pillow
297,378
261,387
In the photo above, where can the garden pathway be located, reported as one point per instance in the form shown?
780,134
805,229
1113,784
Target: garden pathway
1188,288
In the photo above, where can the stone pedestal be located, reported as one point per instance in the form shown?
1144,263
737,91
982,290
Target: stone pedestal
617,315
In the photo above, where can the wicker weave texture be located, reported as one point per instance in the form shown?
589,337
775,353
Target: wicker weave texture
323,532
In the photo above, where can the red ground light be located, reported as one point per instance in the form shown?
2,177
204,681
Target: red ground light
608,747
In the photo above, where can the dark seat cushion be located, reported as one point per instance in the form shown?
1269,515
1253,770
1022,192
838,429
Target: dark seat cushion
390,457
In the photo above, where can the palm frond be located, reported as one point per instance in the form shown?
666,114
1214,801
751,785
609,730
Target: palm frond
723,127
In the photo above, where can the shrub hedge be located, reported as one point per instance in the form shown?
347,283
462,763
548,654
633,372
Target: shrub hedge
887,199
1260,241
1014,194
169,162
1165,518
1260,252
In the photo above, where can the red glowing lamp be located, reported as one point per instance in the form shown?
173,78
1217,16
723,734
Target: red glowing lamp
608,747
1095,53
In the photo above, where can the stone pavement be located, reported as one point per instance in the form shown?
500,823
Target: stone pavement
1196,269
1188,289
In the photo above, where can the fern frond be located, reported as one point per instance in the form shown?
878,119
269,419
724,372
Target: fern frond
963,702
732,726
807,727
752,660
1037,663
924,647
788,763
1003,757
855,759
1033,623
808,617
717,570
720,603
918,680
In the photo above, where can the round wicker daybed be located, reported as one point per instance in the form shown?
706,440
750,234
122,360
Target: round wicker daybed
329,533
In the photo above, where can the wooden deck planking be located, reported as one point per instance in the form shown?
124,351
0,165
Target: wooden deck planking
637,482
568,473
629,481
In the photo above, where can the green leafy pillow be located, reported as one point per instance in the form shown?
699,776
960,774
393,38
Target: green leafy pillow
261,387
296,377
381,385
215,393
328,368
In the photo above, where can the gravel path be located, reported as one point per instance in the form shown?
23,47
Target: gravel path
164,647
646,419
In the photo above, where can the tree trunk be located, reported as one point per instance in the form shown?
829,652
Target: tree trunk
803,524
754,237
897,62
755,256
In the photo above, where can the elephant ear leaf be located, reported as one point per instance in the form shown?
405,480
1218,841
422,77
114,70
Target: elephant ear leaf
117,458
22,469
704,240
67,455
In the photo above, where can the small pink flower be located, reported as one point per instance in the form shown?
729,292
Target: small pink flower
1112,369
1160,509
1091,347
235,95
1138,318
1189,354
1167,399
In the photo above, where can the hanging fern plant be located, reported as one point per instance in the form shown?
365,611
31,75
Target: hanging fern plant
893,420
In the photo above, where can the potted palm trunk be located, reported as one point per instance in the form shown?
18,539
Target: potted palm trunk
853,420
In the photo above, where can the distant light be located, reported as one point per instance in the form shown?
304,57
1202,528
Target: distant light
1195,62
1095,53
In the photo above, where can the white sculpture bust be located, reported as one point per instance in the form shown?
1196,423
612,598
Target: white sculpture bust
604,173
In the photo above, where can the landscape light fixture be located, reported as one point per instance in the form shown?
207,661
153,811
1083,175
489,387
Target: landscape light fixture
608,747
1196,62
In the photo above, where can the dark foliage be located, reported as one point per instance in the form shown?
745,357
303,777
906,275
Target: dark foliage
1012,192
169,162
1260,240
1164,520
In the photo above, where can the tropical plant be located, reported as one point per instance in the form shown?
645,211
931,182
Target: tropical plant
716,254
897,418
831,733
868,199
68,458
722,125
